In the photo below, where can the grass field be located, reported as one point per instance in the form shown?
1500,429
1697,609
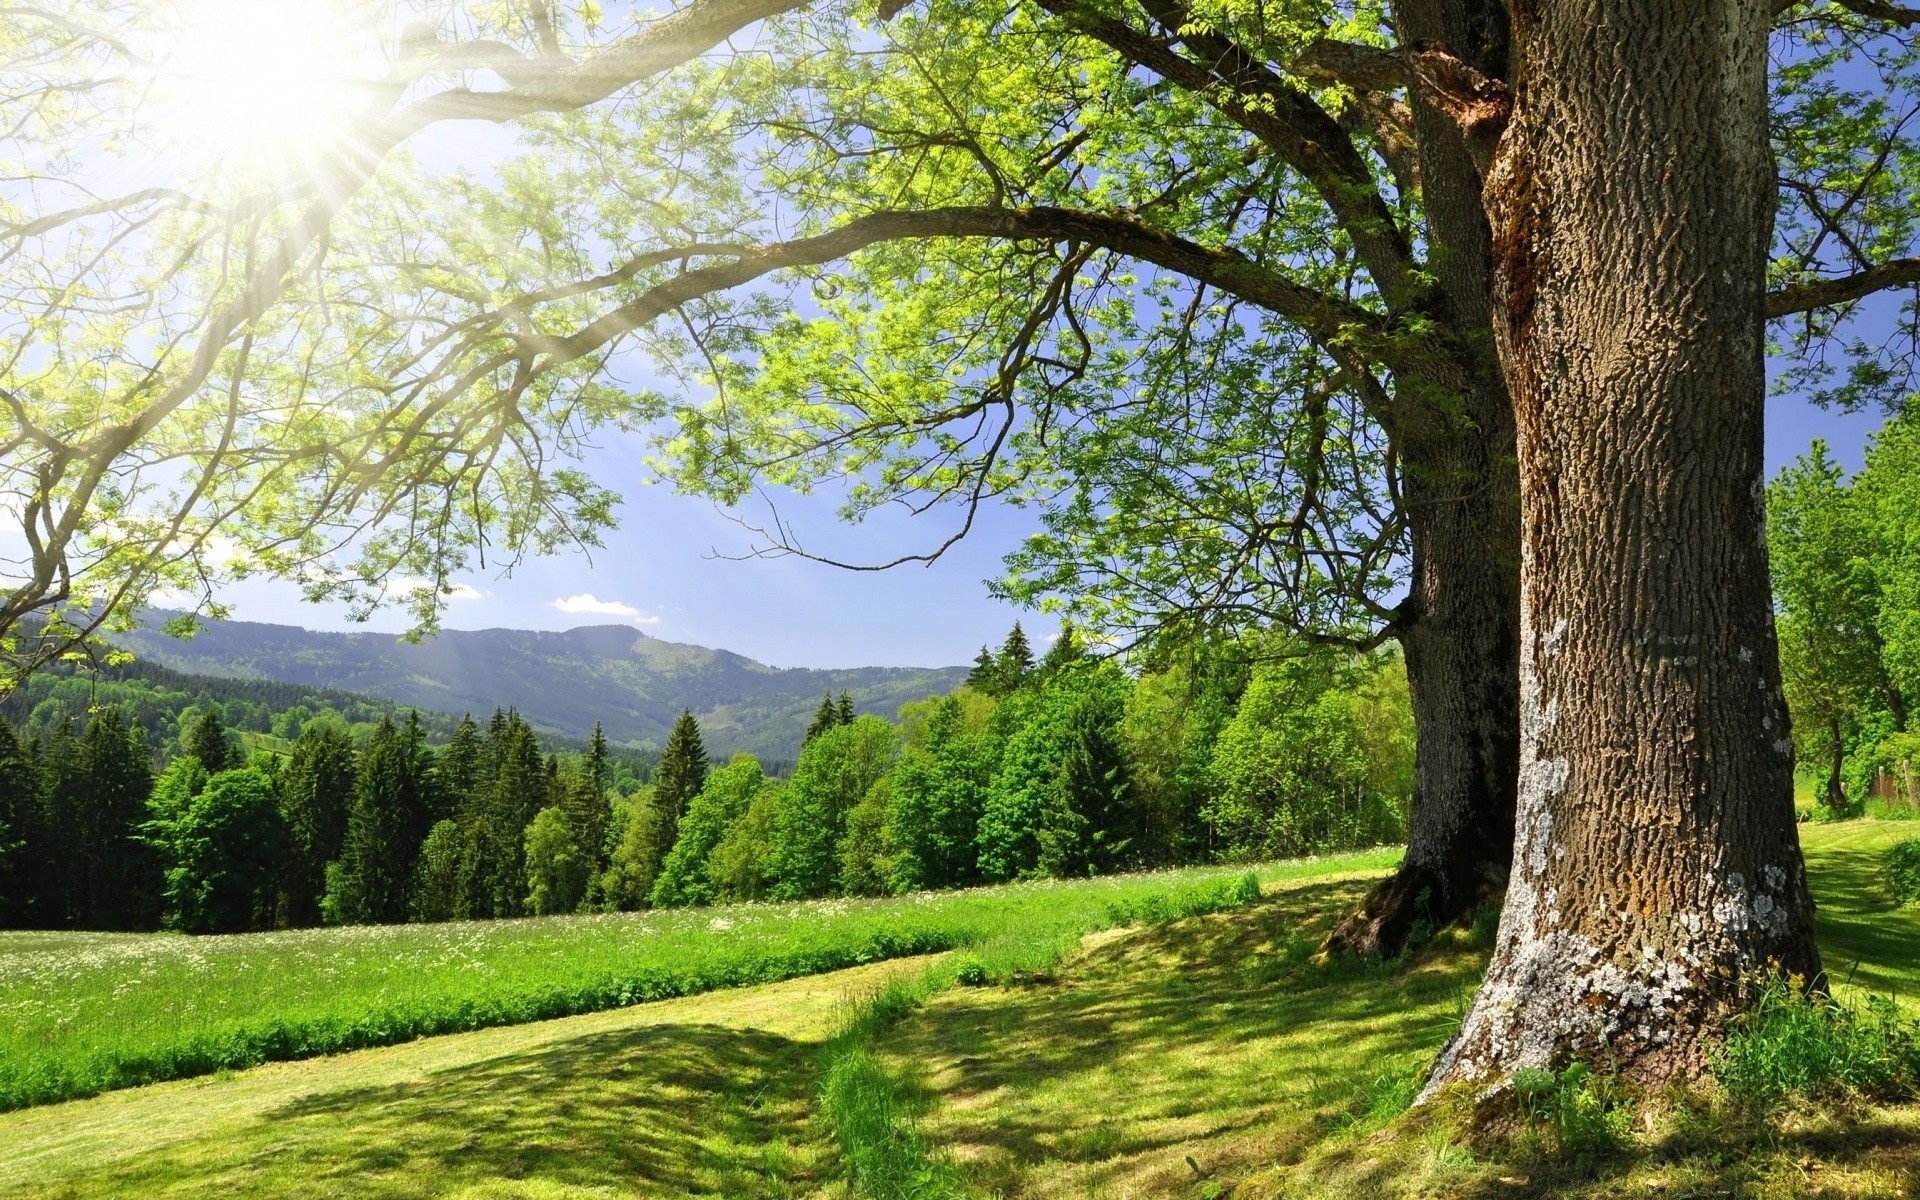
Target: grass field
1215,1055
83,1013
1205,1058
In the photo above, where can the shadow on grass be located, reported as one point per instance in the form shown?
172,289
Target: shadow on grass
1212,1057
1216,1040
676,1110
1866,937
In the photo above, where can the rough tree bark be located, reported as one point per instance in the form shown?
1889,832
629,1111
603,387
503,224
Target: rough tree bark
1462,617
1656,864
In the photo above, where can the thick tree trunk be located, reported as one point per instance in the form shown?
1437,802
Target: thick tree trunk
1463,614
1460,641
1656,865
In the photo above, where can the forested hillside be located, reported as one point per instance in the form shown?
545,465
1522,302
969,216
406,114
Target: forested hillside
1065,766
635,685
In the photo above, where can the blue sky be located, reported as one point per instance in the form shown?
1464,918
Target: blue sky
661,564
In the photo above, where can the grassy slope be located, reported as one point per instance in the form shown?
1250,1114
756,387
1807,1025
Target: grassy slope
81,1014
1212,1058
1214,1039
707,1095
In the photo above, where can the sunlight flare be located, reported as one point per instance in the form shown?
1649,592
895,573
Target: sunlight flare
261,84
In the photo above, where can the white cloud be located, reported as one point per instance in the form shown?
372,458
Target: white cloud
466,591
586,603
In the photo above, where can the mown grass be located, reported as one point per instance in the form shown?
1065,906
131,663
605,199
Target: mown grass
84,1014
710,1095
1215,1057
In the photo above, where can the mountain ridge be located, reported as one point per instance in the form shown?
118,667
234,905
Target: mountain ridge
562,680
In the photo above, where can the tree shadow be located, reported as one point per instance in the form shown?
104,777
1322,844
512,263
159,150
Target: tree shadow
1180,1054
676,1109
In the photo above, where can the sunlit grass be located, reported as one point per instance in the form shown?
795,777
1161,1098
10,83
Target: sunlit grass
1214,1057
84,1014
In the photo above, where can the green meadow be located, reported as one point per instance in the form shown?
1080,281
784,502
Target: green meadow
84,1013
1184,1046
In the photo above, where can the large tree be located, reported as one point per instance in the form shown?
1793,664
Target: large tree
1505,281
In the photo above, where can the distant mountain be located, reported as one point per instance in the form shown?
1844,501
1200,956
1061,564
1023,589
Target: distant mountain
564,682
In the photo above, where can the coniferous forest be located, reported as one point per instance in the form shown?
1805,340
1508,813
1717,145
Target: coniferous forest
123,814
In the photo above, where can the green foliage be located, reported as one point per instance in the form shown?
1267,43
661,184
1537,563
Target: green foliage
681,775
936,800
738,865
633,867
867,849
721,802
225,856
395,802
436,876
835,772
210,743
1090,820
316,797
557,870
1297,771
82,1022
1793,1043
1903,871
1578,1111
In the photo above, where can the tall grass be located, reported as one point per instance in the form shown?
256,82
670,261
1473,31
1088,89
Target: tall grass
83,1015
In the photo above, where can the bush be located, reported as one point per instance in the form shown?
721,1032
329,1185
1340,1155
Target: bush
1903,871
1799,1044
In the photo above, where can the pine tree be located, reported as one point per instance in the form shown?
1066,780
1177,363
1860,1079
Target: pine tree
119,887
1065,652
846,713
585,803
1014,660
316,795
984,677
22,841
682,773
824,718
209,743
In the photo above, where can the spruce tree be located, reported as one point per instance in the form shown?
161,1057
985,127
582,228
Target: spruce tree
846,713
367,885
585,803
316,795
119,885
518,792
681,775
22,841
208,742
1014,660
63,788
824,718
984,677
460,765
1088,821
1065,652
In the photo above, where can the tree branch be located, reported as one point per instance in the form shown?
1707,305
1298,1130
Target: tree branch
1362,68
1302,133
1823,293
1328,319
